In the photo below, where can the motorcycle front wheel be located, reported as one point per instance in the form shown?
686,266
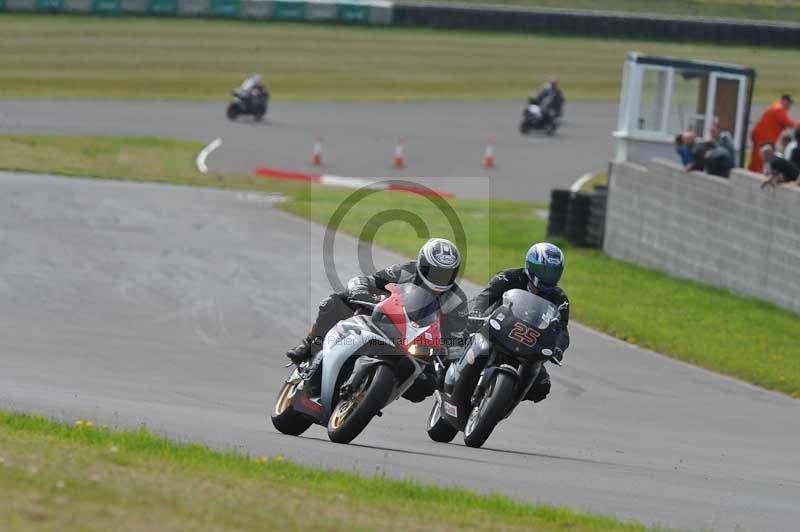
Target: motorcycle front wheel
352,415
284,417
232,112
492,408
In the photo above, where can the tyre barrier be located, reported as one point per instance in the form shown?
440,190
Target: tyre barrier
559,206
578,217
597,24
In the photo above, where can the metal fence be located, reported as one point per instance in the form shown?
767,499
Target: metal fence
349,11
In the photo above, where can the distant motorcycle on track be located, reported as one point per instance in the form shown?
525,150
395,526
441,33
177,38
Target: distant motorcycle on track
366,363
499,365
536,117
251,98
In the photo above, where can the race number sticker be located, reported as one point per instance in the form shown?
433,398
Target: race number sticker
523,334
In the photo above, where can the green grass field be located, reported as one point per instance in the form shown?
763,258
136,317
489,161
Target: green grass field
85,478
778,10
54,57
706,326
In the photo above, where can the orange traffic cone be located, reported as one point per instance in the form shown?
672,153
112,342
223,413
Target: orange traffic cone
398,161
488,155
316,156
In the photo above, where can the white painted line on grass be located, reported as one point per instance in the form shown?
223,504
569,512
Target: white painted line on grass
576,186
205,152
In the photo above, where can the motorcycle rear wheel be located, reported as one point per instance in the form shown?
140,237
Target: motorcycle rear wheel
352,415
492,408
285,418
438,427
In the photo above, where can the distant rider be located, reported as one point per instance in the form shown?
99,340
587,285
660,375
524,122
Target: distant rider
252,89
544,264
550,98
436,269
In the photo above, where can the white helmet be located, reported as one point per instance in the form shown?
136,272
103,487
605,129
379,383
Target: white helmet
438,263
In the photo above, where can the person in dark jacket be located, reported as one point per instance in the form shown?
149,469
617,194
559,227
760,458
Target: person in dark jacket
550,98
436,269
777,169
544,264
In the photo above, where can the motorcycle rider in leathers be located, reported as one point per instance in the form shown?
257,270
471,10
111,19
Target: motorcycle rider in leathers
436,269
544,264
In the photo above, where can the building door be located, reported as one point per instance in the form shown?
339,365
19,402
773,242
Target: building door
725,105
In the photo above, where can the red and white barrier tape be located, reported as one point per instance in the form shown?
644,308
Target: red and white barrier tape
351,182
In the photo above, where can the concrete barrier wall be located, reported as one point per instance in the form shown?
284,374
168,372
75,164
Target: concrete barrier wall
376,12
725,232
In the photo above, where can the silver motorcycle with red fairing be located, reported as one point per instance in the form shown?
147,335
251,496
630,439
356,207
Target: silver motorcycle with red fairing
366,362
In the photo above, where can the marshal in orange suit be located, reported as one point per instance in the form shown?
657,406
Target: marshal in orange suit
769,127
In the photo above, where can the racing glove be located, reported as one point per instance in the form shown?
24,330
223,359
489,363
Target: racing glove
362,295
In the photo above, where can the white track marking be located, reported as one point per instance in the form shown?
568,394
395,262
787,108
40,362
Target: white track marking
205,152
351,182
576,186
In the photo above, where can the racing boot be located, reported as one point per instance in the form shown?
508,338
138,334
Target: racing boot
540,388
305,349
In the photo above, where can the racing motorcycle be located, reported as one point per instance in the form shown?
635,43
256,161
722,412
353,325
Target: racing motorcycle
539,117
248,101
366,363
500,364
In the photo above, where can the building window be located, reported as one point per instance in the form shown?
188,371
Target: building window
652,100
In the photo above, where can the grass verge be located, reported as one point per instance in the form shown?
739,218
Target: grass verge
54,57
743,337
60,477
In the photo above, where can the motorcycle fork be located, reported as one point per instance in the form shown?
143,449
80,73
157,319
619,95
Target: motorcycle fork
480,388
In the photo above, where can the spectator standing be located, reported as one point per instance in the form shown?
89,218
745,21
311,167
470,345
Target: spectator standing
792,152
720,156
769,127
684,149
785,139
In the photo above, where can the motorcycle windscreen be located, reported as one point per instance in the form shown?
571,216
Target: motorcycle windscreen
407,303
530,308
420,304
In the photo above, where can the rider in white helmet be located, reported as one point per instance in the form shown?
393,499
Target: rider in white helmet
436,268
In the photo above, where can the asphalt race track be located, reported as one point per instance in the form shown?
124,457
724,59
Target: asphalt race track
443,140
171,306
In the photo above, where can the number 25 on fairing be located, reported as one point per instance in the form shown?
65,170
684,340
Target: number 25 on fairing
523,334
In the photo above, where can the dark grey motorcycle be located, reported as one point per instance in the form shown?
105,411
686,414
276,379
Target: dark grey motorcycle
498,366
